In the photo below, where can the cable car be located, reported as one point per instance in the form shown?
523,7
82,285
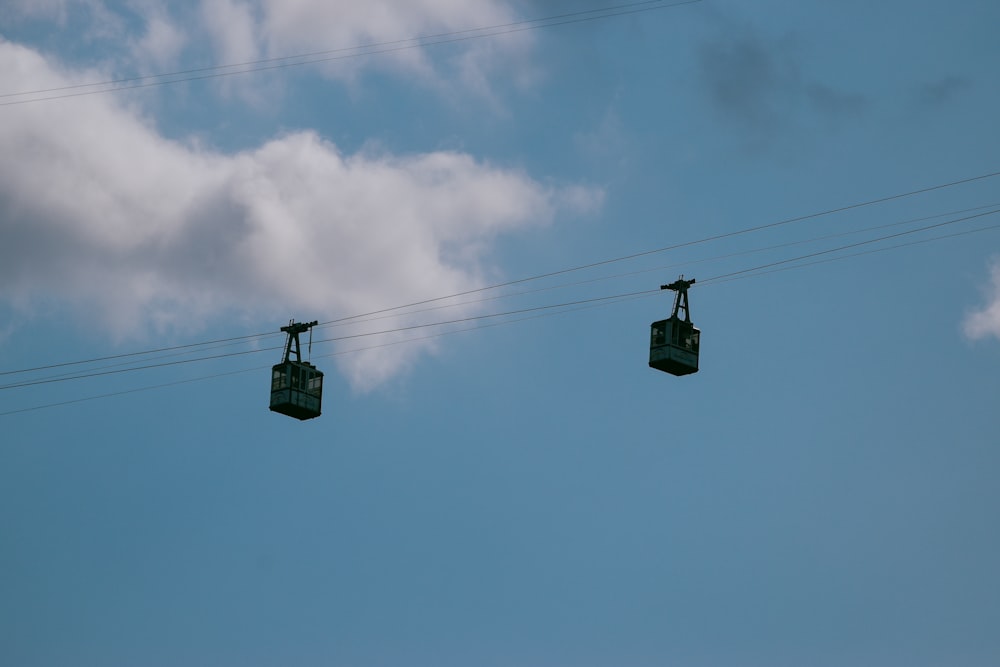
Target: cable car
674,342
296,386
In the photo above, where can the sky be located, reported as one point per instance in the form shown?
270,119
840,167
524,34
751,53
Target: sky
479,201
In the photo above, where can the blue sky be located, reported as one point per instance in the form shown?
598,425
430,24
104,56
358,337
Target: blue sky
522,489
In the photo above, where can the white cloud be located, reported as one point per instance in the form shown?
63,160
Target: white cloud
341,27
160,46
986,321
53,10
232,29
349,38
89,19
136,231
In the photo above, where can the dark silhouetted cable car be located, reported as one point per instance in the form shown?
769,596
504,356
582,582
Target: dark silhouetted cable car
296,386
673,343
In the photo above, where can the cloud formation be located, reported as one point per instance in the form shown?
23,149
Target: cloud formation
99,210
288,25
759,86
943,90
245,30
347,38
986,320
161,45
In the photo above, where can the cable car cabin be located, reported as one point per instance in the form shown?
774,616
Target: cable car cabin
296,385
674,342
297,389
673,346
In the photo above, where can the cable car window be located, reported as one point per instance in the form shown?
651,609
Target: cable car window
658,337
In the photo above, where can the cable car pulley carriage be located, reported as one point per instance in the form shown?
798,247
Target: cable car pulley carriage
674,342
296,386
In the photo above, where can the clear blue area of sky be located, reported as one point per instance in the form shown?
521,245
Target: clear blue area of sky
823,492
